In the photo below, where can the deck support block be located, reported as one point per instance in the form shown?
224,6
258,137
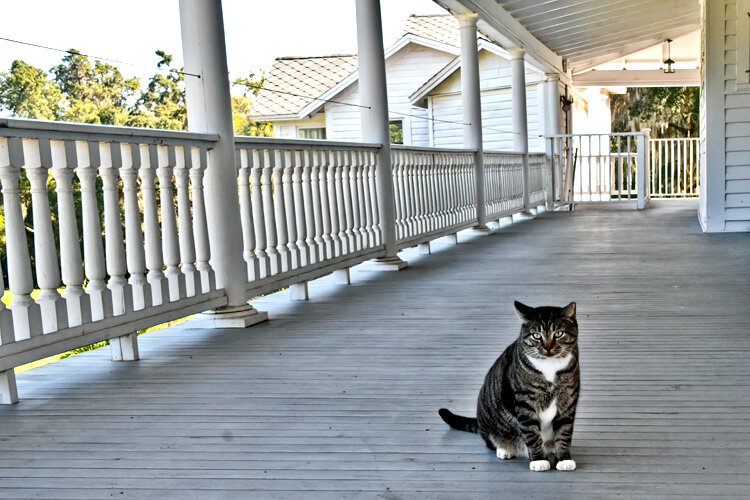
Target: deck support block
424,248
342,276
125,348
453,238
230,317
299,291
8,390
385,264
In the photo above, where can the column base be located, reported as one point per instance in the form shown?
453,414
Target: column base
230,317
481,229
392,263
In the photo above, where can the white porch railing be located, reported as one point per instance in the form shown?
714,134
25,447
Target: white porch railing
602,167
674,168
120,236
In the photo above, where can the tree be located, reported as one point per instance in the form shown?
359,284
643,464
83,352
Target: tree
162,104
242,108
93,94
27,92
668,111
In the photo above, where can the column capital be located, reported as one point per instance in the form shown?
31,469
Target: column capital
517,52
467,19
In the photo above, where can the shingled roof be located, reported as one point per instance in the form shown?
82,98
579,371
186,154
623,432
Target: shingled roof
294,82
310,77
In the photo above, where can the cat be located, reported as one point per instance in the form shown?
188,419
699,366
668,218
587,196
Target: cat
528,400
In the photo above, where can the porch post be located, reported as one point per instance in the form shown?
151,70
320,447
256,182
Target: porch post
209,110
472,108
374,97
520,120
642,168
551,127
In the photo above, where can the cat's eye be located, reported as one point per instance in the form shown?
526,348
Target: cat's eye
559,335
536,336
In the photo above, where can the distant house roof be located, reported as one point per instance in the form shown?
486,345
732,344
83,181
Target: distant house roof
295,82
316,79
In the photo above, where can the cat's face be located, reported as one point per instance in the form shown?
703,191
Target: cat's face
548,331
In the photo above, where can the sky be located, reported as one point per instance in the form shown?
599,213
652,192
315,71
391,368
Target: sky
130,31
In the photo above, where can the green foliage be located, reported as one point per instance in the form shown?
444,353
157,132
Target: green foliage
396,129
162,104
241,108
668,111
26,92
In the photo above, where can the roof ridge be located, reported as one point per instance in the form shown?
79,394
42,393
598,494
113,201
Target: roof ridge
291,58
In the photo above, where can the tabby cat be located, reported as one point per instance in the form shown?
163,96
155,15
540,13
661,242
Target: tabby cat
528,401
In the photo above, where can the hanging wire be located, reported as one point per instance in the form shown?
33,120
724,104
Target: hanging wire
275,91
75,52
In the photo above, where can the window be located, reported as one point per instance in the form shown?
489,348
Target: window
397,131
312,133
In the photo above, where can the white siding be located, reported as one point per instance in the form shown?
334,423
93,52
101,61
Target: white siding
406,71
725,122
495,80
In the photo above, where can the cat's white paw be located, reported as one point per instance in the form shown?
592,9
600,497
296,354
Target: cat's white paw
539,465
502,454
566,465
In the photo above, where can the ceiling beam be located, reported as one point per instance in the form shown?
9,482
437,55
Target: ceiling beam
636,78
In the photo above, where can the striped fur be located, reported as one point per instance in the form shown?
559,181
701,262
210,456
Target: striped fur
528,400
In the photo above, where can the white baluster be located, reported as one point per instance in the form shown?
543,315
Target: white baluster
346,162
122,294
199,162
259,224
325,208
309,186
334,207
8,390
316,191
135,254
269,207
77,300
299,211
170,241
354,175
37,160
183,164
27,319
289,209
367,199
282,235
93,250
246,217
152,232
374,198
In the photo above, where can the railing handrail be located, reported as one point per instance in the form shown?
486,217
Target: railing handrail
242,140
608,134
404,147
662,139
11,127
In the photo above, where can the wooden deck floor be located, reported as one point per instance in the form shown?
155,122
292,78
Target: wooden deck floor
338,397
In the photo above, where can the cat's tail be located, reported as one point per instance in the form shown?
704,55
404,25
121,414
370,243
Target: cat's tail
458,422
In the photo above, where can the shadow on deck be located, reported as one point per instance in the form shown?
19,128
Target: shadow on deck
337,397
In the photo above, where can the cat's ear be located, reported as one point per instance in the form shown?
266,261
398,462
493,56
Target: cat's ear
570,311
523,311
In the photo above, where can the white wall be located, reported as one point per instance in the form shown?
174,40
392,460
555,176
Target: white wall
725,121
406,71
495,80
289,129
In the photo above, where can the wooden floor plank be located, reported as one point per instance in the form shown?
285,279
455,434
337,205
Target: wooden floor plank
337,397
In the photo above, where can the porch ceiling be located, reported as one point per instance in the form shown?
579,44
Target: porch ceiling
585,32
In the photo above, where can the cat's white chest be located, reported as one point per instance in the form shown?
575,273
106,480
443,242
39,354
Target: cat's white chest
550,366
545,421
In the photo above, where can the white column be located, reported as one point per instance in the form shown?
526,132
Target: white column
520,121
642,168
472,106
552,127
374,96
209,110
